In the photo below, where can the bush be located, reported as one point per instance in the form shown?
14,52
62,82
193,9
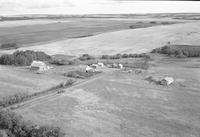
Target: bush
61,62
80,74
23,58
10,100
16,125
68,83
8,46
179,51
118,56
85,57
58,62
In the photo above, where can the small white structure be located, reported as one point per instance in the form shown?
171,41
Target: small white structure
39,66
114,65
89,69
94,66
167,81
100,64
120,66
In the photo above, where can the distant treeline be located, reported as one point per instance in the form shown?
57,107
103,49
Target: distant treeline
118,56
16,126
23,58
8,46
179,51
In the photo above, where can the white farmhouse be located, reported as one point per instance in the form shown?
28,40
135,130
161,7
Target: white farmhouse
39,66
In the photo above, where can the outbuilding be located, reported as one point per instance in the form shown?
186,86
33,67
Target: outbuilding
167,81
120,66
100,64
89,69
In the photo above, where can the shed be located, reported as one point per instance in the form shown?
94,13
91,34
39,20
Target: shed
167,81
120,66
89,69
100,64
114,65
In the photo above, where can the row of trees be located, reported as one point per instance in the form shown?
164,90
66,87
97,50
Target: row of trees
16,126
181,52
20,97
118,56
23,58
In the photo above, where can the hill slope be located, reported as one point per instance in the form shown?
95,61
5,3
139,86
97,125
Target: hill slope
134,41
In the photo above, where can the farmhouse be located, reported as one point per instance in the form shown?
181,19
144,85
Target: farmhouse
39,66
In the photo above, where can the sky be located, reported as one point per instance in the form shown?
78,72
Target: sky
13,7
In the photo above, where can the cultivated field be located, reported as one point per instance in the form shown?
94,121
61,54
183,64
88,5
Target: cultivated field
122,104
124,41
26,33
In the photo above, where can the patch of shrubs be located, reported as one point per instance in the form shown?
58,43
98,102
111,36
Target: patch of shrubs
23,58
179,51
85,57
80,74
10,100
8,46
68,83
119,56
60,62
16,126
20,97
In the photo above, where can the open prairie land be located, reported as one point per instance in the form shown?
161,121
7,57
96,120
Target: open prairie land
119,104
123,41
32,32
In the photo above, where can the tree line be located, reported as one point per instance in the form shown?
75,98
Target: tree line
179,51
23,58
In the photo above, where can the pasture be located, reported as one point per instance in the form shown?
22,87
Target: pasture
27,33
15,80
124,41
122,104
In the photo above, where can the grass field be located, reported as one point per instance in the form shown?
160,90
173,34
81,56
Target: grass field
20,80
124,41
121,104
52,30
